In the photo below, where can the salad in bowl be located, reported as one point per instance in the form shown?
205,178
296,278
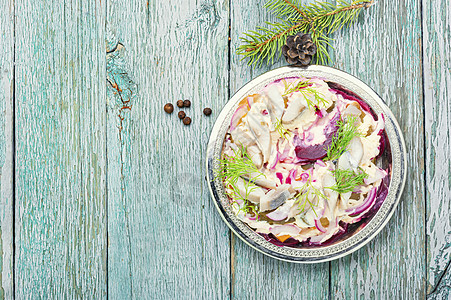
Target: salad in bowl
304,163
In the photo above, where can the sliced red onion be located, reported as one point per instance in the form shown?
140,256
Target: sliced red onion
318,239
369,200
287,228
253,217
285,153
280,177
276,160
305,176
321,163
319,226
237,115
319,112
291,176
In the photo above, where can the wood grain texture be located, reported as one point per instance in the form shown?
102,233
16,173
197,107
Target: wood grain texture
6,148
254,275
60,150
384,50
166,239
111,198
437,94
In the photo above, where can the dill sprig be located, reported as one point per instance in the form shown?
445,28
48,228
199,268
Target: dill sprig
347,130
283,132
304,194
347,180
232,168
305,87
318,18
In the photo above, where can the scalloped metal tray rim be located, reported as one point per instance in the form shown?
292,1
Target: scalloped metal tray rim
342,248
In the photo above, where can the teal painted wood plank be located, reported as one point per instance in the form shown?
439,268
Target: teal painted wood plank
384,50
60,149
166,239
437,94
254,275
6,148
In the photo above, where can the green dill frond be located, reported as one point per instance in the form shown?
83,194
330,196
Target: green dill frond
291,87
318,18
304,87
232,168
303,197
283,132
236,166
348,180
347,130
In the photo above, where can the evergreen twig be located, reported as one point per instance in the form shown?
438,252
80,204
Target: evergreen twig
318,18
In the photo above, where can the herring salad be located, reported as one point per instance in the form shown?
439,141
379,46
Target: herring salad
299,161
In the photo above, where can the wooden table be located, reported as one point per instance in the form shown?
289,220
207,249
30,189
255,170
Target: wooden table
103,194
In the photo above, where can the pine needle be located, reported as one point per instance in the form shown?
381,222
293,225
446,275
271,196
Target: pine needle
318,18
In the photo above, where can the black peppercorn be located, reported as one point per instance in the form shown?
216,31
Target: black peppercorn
169,108
187,103
187,121
180,103
207,111
181,114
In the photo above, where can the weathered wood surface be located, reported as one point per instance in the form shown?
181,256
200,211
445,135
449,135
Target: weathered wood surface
384,50
165,237
437,99
254,275
60,220
6,148
98,210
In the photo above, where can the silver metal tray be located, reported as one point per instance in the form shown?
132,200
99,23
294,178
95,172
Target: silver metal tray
341,247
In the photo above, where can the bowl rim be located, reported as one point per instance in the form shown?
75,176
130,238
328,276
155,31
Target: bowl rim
341,248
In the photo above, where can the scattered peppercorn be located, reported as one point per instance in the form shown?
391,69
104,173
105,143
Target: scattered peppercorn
169,108
207,111
187,103
180,103
181,114
187,121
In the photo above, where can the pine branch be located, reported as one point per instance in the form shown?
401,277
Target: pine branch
286,8
318,18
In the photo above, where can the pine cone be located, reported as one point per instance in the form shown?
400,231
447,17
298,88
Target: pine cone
299,49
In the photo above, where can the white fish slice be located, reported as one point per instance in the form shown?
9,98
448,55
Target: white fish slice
275,198
294,108
256,155
355,149
260,129
276,104
253,193
260,181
